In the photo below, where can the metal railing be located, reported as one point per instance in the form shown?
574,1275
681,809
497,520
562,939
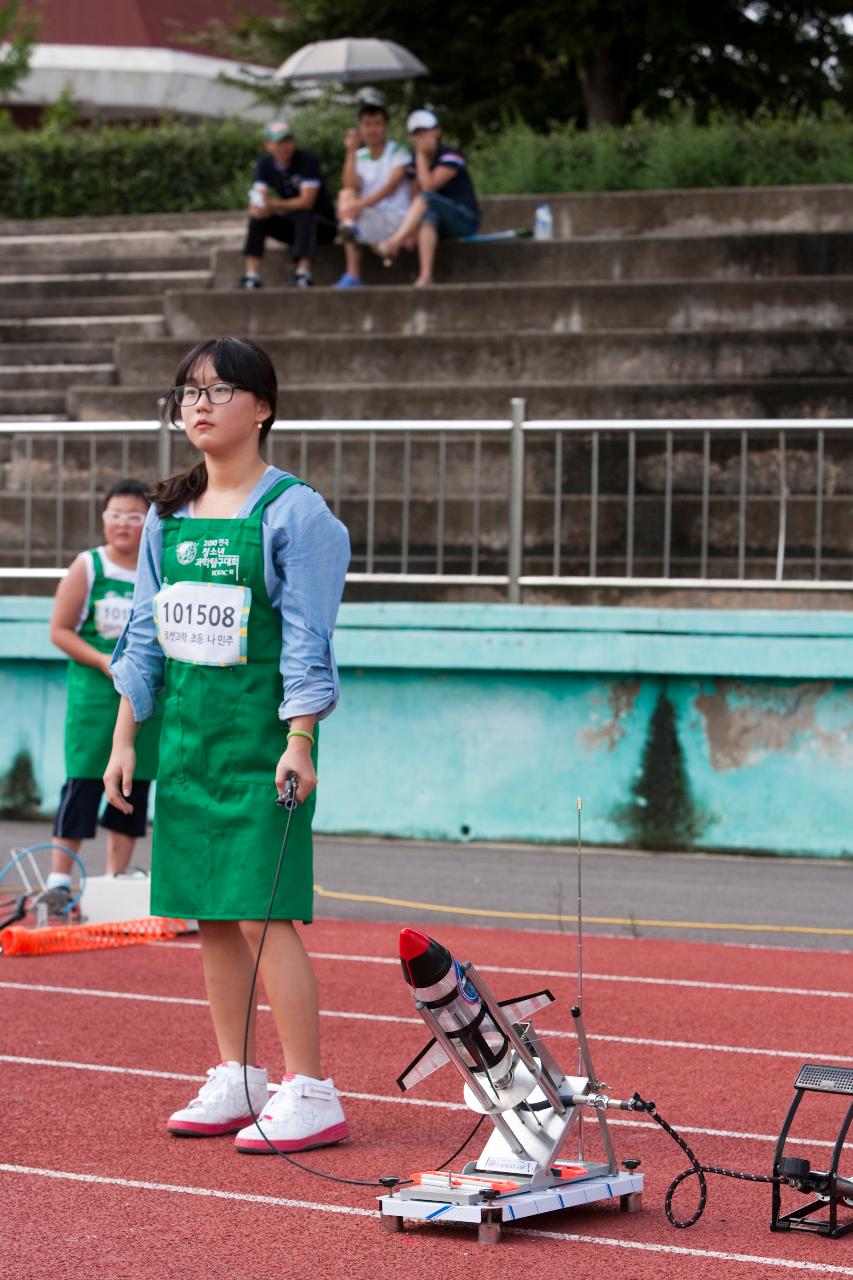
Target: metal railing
508,504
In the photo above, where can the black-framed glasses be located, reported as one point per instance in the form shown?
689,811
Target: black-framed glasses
217,393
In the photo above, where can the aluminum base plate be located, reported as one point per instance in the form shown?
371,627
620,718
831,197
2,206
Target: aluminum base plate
627,1187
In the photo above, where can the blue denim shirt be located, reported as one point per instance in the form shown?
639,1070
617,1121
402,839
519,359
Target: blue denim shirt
306,554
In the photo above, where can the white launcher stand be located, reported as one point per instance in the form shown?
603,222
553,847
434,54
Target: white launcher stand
520,1172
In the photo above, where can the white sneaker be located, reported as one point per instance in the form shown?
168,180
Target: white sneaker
220,1104
302,1114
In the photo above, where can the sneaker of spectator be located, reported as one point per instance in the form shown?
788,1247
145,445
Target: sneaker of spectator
375,187
346,281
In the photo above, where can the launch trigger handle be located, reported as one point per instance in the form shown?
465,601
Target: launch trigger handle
287,799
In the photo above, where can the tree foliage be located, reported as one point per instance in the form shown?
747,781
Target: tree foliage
594,61
17,38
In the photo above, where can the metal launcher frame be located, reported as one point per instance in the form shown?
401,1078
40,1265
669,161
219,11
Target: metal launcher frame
519,1172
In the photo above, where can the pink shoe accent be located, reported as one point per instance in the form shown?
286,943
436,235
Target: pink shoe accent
194,1129
325,1138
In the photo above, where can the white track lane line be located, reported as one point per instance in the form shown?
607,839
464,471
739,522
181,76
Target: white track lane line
353,1015
790,1264
608,977
312,1206
403,1101
689,983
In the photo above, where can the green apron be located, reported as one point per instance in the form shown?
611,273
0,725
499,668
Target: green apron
217,828
93,702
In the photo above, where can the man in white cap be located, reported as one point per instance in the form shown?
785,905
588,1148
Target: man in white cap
289,202
446,204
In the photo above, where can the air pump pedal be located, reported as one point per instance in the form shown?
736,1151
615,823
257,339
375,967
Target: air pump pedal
815,1078
831,1189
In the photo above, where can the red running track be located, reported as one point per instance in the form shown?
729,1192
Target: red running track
98,1048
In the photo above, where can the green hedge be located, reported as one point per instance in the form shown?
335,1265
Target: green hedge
654,156
63,172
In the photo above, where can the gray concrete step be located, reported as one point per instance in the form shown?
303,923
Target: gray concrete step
748,398
606,258
527,356
678,305
32,417
48,399
87,329
697,211
85,284
120,228
26,377
117,305
26,353
18,259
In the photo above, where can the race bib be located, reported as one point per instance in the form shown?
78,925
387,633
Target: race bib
112,613
203,622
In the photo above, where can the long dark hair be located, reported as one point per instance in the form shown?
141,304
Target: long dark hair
236,360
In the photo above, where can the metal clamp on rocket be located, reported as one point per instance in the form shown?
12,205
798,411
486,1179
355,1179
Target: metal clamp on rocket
512,1079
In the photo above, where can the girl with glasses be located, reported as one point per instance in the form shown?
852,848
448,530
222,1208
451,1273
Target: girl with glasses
91,608
242,568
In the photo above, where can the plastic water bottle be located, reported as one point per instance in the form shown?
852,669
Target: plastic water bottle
258,194
543,222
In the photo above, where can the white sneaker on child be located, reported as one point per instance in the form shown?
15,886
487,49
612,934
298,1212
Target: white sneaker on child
302,1114
220,1104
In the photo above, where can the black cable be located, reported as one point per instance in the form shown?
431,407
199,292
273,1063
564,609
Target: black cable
460,1149
290,802
696,1170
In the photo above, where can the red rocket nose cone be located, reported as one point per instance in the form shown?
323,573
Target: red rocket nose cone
412,944
424,961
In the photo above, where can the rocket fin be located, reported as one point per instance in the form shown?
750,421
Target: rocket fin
430,1058
520,1008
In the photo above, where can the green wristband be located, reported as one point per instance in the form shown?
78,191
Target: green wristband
300,733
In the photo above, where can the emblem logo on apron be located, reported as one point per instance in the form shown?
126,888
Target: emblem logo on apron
186,552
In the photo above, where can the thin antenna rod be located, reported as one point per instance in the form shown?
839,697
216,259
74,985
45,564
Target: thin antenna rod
580,916
580,968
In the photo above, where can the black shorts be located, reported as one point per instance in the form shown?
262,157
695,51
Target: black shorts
77,816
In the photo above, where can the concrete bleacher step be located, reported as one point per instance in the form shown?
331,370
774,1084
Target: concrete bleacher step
48,399
698,211
118,305
14,263
528,356
84,284
65,329
26,377
23,419
675,305
748,398
605,258
59,353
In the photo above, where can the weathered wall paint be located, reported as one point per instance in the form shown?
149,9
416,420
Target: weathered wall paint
685,728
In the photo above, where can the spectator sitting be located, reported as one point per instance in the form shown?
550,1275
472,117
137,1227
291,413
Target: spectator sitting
375,188
288,201
445,205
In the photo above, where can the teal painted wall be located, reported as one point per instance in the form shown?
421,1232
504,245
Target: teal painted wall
680,728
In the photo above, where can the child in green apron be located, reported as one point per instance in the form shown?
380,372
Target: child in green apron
242,570
91,608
